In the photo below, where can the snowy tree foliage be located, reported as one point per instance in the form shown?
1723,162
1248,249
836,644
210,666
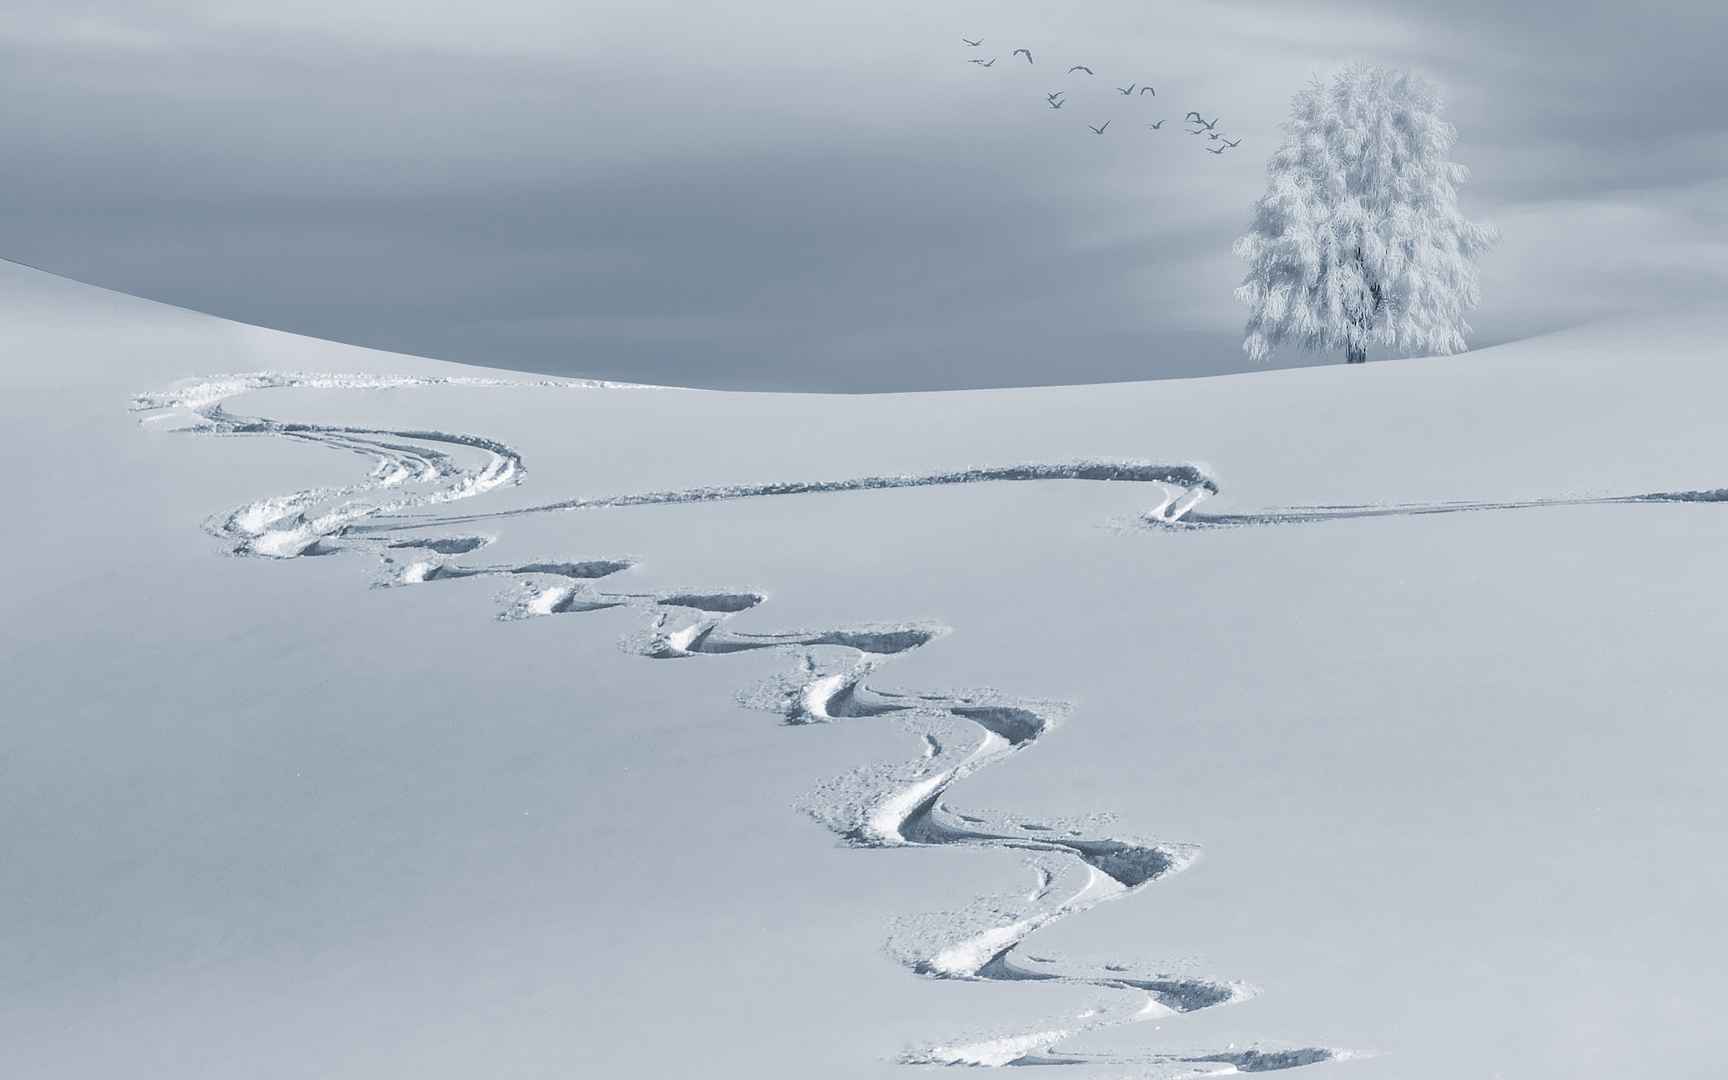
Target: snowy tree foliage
1358,240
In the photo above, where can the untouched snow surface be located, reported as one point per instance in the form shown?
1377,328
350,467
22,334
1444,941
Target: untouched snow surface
560,729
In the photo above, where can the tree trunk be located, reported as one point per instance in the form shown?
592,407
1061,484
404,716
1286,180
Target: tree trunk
1358,354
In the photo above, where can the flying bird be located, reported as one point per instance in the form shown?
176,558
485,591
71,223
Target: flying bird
986,63
1148,90
1215,135
1080,67
1054,104
1054,94
1214,149
972,43
1022,52
1196,131
1127,91
1204,124
1099,130
1156,126
1192,116
1232,143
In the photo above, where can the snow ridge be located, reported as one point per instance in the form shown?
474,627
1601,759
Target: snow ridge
878,806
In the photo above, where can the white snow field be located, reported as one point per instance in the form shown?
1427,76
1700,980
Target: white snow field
368,716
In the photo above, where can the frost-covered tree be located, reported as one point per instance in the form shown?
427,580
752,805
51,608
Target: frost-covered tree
1358,240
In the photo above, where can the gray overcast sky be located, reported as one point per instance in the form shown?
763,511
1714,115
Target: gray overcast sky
801,194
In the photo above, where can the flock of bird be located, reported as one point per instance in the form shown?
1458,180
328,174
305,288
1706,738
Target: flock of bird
1196,124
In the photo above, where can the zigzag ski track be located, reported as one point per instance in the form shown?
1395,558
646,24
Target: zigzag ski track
880,805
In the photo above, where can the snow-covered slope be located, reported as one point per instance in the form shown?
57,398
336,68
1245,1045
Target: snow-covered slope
1378,703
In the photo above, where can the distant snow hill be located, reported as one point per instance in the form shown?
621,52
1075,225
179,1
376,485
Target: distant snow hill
1420,655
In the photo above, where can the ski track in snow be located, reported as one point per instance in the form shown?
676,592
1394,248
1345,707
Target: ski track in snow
880,805
1308,515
